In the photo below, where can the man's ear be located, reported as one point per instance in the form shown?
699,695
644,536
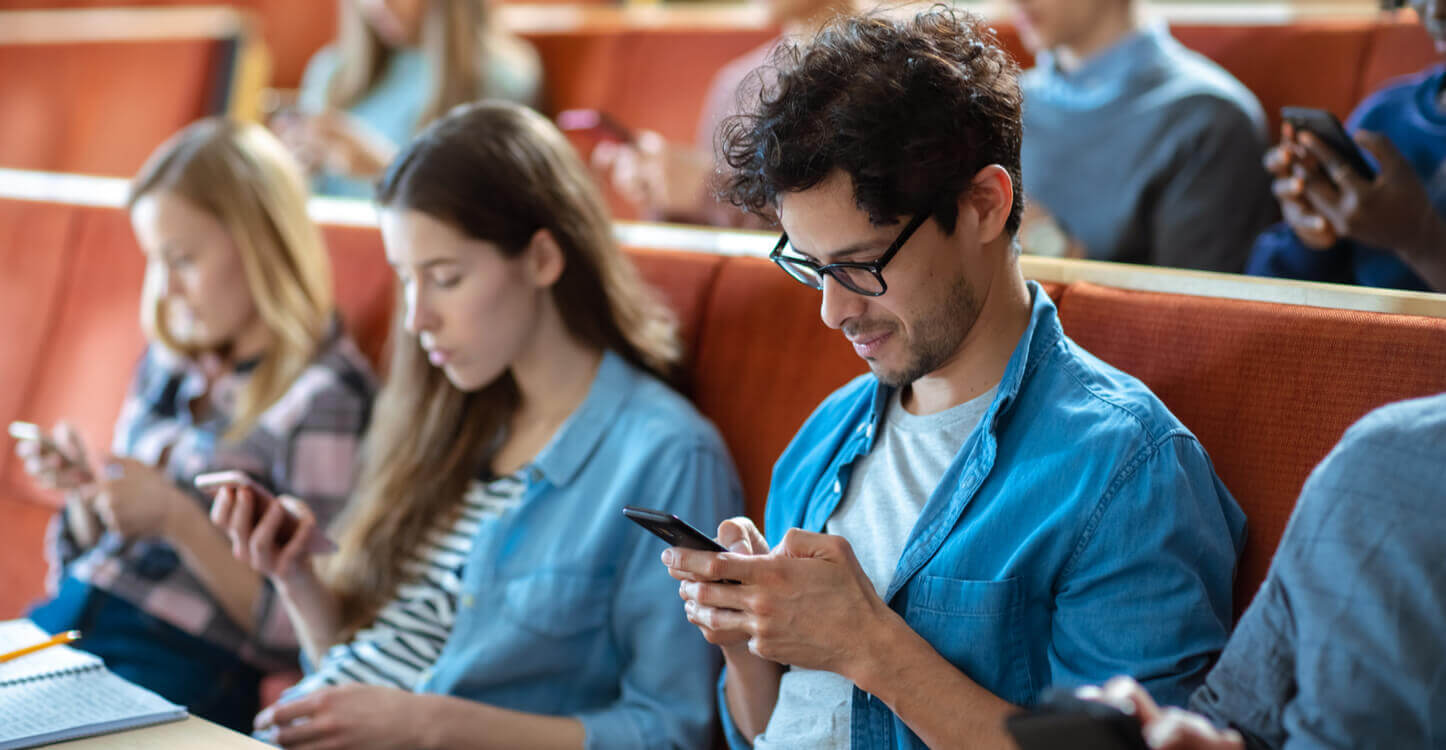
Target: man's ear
545,259
991,196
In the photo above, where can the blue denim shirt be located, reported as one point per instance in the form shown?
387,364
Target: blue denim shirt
1080,533
565,609
1345,645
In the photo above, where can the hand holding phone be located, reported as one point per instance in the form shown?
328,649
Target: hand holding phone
261,502
58,462
1064,720
1325,127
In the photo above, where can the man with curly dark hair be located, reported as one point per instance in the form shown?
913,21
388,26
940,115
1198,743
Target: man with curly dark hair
991,510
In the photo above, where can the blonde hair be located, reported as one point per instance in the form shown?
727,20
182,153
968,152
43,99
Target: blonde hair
497,172
452,34
243,177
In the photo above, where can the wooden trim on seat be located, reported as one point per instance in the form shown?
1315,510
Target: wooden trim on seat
110,191
119,24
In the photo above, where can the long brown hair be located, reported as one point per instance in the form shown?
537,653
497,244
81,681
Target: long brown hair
241,175
452,36
500,173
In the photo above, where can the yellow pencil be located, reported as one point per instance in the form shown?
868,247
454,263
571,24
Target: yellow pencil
55,640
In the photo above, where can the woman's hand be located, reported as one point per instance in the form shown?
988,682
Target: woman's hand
261,546
1164,728
347,716
336,142
136,500
58,461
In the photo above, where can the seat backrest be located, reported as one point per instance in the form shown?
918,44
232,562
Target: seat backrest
1396,49
101,106
364,284
1268,388
35,250
93,340
1307,65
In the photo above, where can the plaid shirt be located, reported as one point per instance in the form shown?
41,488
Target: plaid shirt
305,444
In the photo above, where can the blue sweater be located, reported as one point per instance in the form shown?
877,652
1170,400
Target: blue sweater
1148,153
1406,112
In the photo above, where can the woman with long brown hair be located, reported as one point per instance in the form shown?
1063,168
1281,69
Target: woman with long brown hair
488,591
247,369
395,66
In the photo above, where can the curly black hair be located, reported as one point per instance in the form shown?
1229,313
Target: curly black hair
911,109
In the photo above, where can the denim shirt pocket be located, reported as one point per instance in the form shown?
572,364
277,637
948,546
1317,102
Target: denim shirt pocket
559,603
979,627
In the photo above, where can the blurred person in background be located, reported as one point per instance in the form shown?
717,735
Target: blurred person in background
1383,231
247,368
395,66
1136,149
670,181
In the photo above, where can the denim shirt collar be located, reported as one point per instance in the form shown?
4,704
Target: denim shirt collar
1042,334
584,430
975,460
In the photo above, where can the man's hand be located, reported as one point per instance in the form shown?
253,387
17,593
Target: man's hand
806,603
1391,211
347,716
1288,164
1164,728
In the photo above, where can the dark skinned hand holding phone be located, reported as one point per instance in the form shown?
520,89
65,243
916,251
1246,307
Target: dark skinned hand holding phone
1325,199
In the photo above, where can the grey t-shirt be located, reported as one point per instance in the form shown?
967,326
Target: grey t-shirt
886,493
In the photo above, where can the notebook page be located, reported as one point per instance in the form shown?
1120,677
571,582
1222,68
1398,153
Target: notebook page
16,634
77,705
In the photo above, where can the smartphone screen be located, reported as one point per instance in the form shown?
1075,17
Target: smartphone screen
672,529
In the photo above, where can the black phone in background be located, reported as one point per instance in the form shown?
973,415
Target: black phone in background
1328,129
672,529
1064,721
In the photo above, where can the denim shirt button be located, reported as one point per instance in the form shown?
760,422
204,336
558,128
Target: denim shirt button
468,601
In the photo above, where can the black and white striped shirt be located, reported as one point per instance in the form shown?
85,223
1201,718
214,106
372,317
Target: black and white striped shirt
409,631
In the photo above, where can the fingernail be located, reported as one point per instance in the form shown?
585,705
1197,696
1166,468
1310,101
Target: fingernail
668,556
739,546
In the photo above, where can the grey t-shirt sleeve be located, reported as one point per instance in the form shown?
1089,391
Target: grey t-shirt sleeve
1343,646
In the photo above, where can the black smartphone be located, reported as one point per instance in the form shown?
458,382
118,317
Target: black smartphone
1325,126
1063,720
672,529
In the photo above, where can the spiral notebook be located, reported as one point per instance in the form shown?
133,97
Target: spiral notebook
62,693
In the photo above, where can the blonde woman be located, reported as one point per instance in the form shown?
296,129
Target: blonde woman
395,66
247,368
489,591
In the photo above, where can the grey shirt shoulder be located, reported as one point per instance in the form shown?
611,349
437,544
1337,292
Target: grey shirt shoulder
1342,647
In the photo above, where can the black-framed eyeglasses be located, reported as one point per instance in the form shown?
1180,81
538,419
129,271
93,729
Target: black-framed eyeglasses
862,278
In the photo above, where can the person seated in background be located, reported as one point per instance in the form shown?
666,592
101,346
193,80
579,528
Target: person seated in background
488,591
991,509
246,368
395,66
1386,231
670,181
1342,647
1136,149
